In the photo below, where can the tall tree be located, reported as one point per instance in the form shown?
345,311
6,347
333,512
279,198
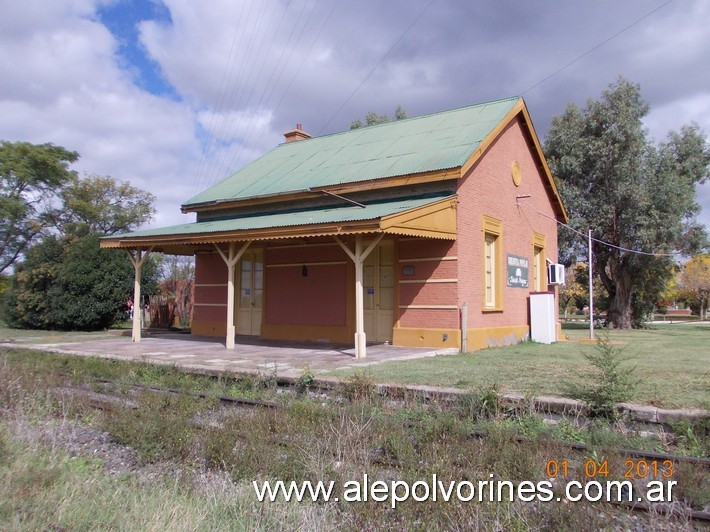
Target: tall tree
101,204
30,176
65,280
695,282
633,194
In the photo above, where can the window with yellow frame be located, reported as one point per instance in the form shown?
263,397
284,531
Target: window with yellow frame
492,264
539,263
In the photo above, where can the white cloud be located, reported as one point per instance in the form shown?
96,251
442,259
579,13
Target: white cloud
245,72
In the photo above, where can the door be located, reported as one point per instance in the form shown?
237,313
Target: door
378,296
251,292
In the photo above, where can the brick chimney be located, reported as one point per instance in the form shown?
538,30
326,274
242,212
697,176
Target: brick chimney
296,134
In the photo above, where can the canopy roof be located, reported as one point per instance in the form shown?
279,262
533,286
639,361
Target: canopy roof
432,215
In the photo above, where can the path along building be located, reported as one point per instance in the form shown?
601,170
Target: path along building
429,231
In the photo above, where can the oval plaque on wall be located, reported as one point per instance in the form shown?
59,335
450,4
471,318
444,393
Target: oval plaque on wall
517,173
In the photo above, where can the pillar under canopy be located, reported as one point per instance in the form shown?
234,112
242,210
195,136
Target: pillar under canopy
358,257
137,260
231,261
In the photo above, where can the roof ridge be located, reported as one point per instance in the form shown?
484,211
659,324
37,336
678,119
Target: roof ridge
408,119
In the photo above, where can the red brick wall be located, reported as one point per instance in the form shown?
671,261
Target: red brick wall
317,299
489,189
210,269
412,295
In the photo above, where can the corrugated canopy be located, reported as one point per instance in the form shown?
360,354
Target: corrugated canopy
429,143
432,216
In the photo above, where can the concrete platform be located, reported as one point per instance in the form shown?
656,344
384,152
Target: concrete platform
250,354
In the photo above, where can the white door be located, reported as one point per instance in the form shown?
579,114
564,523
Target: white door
378,292
251,292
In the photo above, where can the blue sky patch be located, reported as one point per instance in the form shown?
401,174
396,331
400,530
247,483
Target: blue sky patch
122,19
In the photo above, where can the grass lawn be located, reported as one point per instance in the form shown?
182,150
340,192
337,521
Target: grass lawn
49,337
672,366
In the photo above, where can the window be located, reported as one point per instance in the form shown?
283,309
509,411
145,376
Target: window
492,264
539,265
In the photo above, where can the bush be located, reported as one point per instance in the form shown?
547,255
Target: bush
70,284
608,383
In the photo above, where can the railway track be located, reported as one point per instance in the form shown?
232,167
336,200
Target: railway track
680,510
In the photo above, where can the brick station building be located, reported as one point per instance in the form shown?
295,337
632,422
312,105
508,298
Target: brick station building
429,231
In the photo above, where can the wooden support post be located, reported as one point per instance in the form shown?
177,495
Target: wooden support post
137,260
231,262
358,257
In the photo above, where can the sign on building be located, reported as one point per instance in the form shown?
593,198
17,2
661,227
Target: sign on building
517,271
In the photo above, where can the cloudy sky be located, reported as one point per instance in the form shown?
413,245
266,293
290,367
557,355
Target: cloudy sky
173,95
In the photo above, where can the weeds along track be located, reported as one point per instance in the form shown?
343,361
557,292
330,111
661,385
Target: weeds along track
108,394
230,401
253,403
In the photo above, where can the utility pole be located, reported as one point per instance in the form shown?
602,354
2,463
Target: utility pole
591,291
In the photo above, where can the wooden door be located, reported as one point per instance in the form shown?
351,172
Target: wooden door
251,292
378,292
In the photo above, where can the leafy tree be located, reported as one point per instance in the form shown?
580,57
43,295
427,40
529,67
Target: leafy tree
30,176
633,194
695,282
101,204
574,290
372,118
68,283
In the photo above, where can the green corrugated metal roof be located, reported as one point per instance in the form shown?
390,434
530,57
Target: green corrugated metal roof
434,142
345,213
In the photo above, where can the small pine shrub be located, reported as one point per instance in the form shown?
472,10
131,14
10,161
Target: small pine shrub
609,382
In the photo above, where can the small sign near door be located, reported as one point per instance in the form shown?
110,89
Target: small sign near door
370,291
517,271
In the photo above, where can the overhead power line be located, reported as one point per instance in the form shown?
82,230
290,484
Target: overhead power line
593,49
603,242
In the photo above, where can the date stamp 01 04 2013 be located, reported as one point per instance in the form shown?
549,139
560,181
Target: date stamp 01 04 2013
632,469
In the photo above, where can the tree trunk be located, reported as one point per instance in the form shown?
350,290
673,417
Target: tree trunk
619,313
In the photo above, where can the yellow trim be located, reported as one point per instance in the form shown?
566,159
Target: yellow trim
484,337
427,281
539,268
209,328
493,227
300,264
436,220
415,337
307,333
435,307
430,259
539,240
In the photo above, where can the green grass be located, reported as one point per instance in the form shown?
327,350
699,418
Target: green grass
185,445
672,365
45,489
48,337
85,370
